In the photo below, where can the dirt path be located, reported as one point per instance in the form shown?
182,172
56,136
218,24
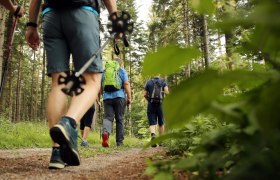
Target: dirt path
33,164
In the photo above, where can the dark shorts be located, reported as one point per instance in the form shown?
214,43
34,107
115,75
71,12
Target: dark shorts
155,114
71,31
86,120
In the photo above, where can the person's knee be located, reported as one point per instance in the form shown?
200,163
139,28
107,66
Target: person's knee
55,77
92,77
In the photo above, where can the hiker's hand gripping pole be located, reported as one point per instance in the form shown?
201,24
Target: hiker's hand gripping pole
119,25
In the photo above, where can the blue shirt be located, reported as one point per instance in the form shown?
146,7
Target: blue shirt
88,8
150,85
120,93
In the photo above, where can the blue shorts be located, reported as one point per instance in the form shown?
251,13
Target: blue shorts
155,114
71,31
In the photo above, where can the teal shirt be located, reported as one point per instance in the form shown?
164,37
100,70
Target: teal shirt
48,9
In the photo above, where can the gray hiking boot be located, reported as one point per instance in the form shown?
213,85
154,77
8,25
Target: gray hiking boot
56,161
66,136
84,143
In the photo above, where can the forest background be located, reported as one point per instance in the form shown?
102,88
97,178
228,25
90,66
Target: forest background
221,61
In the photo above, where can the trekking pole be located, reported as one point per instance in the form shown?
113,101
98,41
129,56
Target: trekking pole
7,56
120,24
70,84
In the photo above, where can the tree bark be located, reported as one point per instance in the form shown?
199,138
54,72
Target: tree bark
228,45
205,42
42,109
18,91
186,33
3,16
32,90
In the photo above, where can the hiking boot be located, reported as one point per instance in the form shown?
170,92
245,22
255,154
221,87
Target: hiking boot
105,139
120,144
56,161
66,136
84,143
153,137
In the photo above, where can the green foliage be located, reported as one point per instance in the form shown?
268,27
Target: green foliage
227,122
161,60
203,6
23,134
32,134
198,93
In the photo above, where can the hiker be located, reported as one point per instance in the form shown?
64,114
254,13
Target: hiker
116,96
155,89
17,10
68,29
85,125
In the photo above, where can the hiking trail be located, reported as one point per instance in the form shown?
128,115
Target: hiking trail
33,164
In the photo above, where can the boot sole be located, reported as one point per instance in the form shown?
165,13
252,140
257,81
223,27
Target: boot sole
68,154
56,166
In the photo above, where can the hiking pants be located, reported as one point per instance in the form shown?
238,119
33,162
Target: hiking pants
114,108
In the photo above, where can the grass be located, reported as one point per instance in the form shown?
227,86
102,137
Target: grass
36,135
23,135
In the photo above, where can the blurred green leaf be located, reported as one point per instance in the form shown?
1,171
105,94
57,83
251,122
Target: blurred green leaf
173,135
203,6
168,60
267,111
151,169
196,94
189,163
163,175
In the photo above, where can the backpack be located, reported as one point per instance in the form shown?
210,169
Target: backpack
111,81
156,96
60,4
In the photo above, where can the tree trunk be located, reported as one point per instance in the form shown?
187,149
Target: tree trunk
32,90
186,33
228,45
42,109
3,16
38,65
18,91
205,42
229,40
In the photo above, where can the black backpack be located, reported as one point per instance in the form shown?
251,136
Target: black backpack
156,96
60,4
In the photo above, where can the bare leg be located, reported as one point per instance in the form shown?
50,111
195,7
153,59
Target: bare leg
81,103
86,133
57,103
161,129
153,129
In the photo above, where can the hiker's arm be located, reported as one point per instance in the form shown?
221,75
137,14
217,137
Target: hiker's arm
34,10
32,35
146,95
111,5
99,96
166,90
127,89
12,8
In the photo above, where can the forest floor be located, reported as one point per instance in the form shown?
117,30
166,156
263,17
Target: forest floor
120,164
